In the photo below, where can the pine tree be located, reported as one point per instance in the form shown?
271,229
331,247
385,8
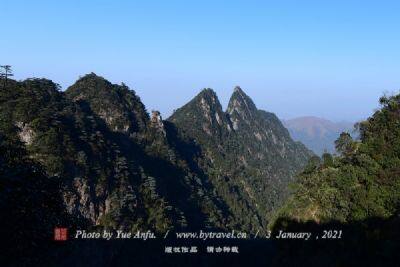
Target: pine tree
5,72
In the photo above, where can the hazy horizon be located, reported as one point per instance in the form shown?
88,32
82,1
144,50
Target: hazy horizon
332,61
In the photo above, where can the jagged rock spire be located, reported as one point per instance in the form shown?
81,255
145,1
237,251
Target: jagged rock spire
157,121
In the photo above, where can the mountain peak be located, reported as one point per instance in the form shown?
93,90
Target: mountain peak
208,91
89,86
117,105
208,95
205,111
91,77
318,134
241,105
243,140
207,101
238,89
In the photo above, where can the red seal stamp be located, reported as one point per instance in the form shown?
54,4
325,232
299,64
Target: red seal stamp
60,234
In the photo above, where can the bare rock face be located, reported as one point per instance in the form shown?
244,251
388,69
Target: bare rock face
79,200
241,108
26,133
157,122
82,200
112,117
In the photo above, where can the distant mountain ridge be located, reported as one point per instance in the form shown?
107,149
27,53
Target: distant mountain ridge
316,133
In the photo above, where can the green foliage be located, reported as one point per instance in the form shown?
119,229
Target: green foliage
247,153
328,160
362,182
30,204
115,168
345,144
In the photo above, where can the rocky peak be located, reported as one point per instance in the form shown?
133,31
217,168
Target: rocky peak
208,93
241,102
117,105
208,101
238,89
257,142
211,109
157,121
204,113
241,108
204,106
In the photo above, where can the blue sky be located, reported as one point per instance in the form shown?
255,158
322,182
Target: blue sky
331,59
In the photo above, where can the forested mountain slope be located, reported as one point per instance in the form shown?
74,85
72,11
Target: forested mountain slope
357,193
92,157
363,181
252,155
115,163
